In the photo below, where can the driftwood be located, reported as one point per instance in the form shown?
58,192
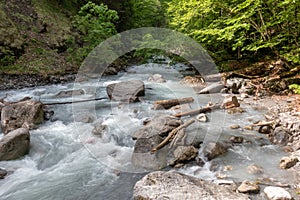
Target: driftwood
166,104
264,123
79,101
172,134
194,112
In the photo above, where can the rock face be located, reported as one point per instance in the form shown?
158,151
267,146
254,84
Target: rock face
288,162
25,113
127,91
277,193
15,144
173,185
213,150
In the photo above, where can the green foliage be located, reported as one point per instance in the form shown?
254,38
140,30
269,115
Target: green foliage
295,88
146,13
240,27
94,23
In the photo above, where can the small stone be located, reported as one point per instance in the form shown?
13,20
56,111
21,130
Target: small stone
249,128
288,162
236,139
249,187
235,126
230,102
254,169
277,193
227,168
266,129
202,117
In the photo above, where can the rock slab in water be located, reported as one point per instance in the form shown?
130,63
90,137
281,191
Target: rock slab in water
277,193
288,162
15,144
127,91
249,187
174,185
25,113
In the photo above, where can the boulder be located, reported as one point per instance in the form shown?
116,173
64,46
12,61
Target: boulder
288,162
183,154
127,91
143,157
159,125
280,136
15,144
249,187
213,88
277,193
212,150
174,185
26,113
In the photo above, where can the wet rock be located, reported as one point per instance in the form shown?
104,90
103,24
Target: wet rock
184,153
15,144
248,187
3,173
213,88
277,193
143,157
99,129
236,139
266,129
213,150
25,113
280,136
288,162
173,185
84,118
235,126
157,78
255,169
230,102
235,88
127,91
202,117
69,93
235,110
159,125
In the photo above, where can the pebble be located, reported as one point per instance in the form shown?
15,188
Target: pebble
249,128
288,162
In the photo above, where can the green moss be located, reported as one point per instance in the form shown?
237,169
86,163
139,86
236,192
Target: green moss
295,88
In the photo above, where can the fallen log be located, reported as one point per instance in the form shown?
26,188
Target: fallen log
166,104
195,112
172,134
78,101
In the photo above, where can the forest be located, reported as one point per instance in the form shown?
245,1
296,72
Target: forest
54,36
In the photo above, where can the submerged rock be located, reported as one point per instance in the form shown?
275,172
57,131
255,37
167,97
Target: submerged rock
157,78
26,113
15,144
69,93
277,193
174,185
255,169
127,91
3,173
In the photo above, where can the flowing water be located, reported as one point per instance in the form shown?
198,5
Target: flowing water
66,161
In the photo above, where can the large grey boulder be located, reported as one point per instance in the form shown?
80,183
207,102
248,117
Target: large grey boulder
15,144
26,113
174,185
127,91
159,125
